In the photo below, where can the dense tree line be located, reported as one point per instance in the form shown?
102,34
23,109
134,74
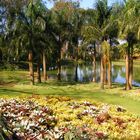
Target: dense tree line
32,33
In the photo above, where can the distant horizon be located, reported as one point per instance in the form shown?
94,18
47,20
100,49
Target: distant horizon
85,3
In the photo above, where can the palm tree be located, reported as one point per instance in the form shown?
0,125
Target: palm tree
24,30
91,35
8,14
105,60
77,22
62,15
103,17
129,30
17,25
28,25
101,29
42,36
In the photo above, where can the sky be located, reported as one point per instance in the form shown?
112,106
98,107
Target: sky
87,3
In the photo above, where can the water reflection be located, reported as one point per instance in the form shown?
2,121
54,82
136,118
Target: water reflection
85,74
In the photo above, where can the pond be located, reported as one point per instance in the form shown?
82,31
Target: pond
85,74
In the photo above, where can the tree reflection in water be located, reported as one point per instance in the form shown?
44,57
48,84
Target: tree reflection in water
85,74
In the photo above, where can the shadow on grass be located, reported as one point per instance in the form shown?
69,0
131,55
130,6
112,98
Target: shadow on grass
60,83
5,91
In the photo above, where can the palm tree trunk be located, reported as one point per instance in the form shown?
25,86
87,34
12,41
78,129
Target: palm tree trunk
38,72
31,70
66,47
109,74
105,74
109,65
131,68
44,67
1,55
30,55
94,64
59,65
102,73
59,70
130,72
94,68
76,72
127,68
76,59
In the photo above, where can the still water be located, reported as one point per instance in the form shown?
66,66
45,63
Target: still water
85,74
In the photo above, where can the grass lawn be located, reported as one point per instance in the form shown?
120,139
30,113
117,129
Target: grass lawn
15,83
122,63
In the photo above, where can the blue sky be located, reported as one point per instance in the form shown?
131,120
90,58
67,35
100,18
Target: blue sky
90,3
86,3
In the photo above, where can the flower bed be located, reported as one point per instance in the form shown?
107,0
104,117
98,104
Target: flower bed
40,118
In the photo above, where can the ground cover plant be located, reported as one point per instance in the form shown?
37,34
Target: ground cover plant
39,118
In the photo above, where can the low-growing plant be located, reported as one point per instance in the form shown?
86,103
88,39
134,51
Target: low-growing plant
56,118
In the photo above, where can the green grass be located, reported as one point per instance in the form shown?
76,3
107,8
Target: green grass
122,63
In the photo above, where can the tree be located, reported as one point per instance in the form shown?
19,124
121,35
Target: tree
42,37
77,22
103,17
26,28
129,30
105,59
101,29
8,13
91,35
62,14
23,31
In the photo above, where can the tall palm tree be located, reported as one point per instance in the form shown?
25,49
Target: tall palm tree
62,14
103,17
129,30
8,15
77,22
26,25
42,36
101,29
15,22
91,35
